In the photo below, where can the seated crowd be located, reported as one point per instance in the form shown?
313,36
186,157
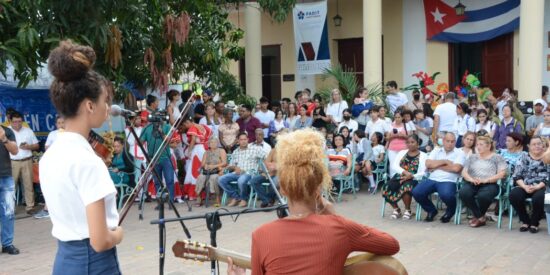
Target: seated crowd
458,147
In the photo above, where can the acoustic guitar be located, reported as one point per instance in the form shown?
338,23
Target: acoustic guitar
362,264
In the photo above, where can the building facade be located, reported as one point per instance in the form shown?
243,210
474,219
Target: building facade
383,40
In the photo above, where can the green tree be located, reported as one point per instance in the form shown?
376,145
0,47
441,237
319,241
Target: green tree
146,42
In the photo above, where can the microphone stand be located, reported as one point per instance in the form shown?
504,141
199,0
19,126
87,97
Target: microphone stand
213,222
145,178
272,183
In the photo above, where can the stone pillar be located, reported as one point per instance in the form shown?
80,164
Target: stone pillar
372,41
253,49
531,33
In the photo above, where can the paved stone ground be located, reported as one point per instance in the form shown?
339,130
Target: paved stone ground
426,248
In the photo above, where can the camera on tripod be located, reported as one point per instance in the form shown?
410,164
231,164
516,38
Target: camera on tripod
158,116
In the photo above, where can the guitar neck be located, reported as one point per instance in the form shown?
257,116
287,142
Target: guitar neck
239,259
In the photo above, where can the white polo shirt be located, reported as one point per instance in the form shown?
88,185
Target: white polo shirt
396,100
380,126
447,116
456,156
266,118
27,136
72,176
464,124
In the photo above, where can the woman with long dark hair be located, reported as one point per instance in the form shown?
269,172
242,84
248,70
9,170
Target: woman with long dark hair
80,194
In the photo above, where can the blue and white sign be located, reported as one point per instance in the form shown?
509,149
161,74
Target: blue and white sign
311,38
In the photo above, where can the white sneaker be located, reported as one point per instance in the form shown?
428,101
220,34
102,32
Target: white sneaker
407,215
396,214
179,200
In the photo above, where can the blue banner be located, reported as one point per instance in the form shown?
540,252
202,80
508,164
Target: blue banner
34,104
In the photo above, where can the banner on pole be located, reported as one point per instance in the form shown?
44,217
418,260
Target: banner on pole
311,37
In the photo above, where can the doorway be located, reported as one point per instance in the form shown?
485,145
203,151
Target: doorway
492,60
271,72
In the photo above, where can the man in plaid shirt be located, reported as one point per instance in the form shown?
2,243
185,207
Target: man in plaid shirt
243,165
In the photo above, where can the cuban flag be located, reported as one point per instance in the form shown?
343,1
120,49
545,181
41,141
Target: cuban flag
483,20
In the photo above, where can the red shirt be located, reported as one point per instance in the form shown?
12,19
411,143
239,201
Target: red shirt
250,127
316,244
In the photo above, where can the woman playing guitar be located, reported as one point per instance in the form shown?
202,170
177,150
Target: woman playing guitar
75,181
312,239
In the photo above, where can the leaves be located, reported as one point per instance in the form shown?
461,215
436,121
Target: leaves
145,42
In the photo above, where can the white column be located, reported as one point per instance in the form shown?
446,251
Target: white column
372,41
414,40
531,33
253,49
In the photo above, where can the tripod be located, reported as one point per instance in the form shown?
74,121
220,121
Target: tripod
145,178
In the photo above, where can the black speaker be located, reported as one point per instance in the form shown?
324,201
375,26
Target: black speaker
526,107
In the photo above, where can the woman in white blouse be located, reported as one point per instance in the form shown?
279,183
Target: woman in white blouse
277,125
335,107
485,123
292,116
80,194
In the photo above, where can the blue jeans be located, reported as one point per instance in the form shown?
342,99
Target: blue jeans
78,257
242,184
446,190
7,210
165,169
266,195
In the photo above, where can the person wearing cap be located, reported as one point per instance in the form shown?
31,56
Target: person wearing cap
464,122
233,107
536,119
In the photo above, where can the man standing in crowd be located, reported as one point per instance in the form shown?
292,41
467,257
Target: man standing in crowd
153,135
247,123
445,116
265,115
8,146
395,98
22,161
536,119
9,113
243,164
445,165
152,105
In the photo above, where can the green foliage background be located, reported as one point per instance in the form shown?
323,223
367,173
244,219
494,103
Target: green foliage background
29,29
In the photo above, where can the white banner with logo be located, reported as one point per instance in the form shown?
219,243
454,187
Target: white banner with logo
311,38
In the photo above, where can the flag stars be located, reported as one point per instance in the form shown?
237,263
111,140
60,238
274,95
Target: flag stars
438,16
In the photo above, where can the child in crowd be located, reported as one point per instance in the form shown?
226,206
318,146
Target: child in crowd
376,159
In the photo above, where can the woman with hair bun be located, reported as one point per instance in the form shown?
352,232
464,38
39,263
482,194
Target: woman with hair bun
312,239
80,194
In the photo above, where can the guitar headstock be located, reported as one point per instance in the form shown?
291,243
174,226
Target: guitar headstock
191,250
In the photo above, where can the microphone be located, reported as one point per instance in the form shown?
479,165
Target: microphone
119,111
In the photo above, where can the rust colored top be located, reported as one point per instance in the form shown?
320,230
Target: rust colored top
316,244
